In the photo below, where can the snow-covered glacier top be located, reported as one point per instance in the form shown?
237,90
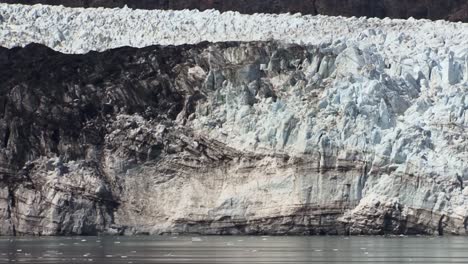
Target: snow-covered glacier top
79,30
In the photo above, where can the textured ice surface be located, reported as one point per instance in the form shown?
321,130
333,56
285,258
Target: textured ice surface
78,30
405,116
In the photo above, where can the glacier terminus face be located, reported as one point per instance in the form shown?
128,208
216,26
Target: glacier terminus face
220,123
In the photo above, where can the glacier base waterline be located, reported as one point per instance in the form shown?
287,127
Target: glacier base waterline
234,249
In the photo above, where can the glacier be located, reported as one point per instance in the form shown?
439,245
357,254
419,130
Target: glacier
79,30
231,124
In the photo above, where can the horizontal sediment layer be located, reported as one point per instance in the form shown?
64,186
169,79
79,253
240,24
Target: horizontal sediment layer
454,10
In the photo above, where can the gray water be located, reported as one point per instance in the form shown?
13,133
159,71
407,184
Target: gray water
217,249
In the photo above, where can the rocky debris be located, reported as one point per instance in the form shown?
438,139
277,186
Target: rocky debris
233,138
454,10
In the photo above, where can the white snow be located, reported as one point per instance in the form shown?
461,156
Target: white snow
79,30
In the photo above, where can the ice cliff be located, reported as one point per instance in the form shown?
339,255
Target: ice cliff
309,125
